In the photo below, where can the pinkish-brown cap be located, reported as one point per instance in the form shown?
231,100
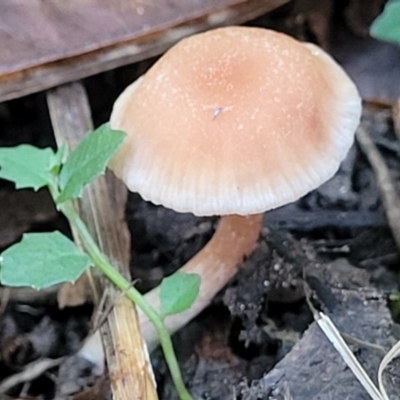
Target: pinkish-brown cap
235,120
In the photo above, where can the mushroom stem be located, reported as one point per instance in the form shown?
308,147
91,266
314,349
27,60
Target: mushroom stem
216,263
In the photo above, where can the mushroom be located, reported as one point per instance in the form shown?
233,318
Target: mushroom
233,122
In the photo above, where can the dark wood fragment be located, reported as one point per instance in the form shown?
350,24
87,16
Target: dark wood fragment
359,18
313,369
294,218
21,210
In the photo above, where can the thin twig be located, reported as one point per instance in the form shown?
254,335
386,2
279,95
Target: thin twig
5,297
361,343
30,372
390,198
396,118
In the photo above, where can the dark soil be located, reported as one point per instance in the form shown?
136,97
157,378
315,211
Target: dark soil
258,340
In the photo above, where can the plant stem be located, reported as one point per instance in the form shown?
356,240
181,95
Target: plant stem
101,262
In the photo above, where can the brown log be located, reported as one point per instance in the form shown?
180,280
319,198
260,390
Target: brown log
48,43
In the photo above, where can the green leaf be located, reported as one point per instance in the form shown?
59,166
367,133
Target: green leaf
41,260
387,25
27,166
88,161
178,292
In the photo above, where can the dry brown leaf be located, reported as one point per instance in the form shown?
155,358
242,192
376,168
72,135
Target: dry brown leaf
99,391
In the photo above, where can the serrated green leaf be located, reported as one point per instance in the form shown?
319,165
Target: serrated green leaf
88,161
27,166
387,25
178,292
41,260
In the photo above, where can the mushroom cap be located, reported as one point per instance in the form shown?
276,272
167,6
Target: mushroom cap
235,120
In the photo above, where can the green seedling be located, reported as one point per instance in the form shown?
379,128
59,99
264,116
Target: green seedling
40,260
387,25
